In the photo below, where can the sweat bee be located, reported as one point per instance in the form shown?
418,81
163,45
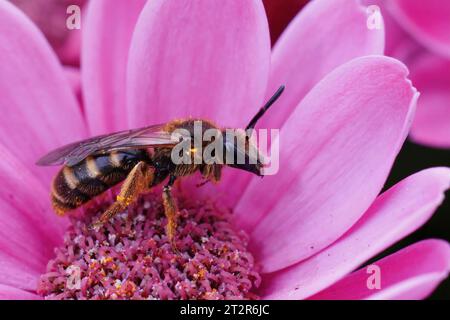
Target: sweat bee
141,159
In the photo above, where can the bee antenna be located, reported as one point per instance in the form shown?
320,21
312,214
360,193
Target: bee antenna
263,110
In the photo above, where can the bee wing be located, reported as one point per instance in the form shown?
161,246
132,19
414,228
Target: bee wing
73,153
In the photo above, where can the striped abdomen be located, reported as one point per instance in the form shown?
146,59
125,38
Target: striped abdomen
76,185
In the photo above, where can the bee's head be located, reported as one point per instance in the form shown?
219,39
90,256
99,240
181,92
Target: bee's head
243,149
242,153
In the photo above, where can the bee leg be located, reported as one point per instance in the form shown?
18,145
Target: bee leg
138,180
171,211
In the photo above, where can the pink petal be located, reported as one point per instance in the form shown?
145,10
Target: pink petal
336,151
18,238
409,274
50,16
11,293
427,22
322,36
431,125
198,58
393,215
70,52
432,122
18,274
398,44
74,77
342,36
28,227
39,112
109,26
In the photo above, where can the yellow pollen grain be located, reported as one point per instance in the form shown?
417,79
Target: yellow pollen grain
70,178
126,201
59,211
106,260
202,273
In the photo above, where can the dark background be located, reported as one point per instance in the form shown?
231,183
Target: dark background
413,158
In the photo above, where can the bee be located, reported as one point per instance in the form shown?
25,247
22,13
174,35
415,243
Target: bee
141,159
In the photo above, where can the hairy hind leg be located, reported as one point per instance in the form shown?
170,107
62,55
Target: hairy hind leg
138,180
171,212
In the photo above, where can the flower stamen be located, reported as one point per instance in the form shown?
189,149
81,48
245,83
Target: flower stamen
130,256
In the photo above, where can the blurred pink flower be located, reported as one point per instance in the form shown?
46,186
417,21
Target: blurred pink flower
417,33
50,16
344,116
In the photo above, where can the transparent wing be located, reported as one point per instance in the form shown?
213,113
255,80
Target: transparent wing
73,153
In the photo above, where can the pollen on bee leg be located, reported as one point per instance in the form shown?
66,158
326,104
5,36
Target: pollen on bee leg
59,210
131,257
121,199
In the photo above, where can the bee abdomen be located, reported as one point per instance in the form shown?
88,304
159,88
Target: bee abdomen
76,185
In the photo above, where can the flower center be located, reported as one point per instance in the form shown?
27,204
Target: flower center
130,256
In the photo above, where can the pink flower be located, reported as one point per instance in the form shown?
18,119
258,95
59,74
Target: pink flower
344,116
417,33
50,16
